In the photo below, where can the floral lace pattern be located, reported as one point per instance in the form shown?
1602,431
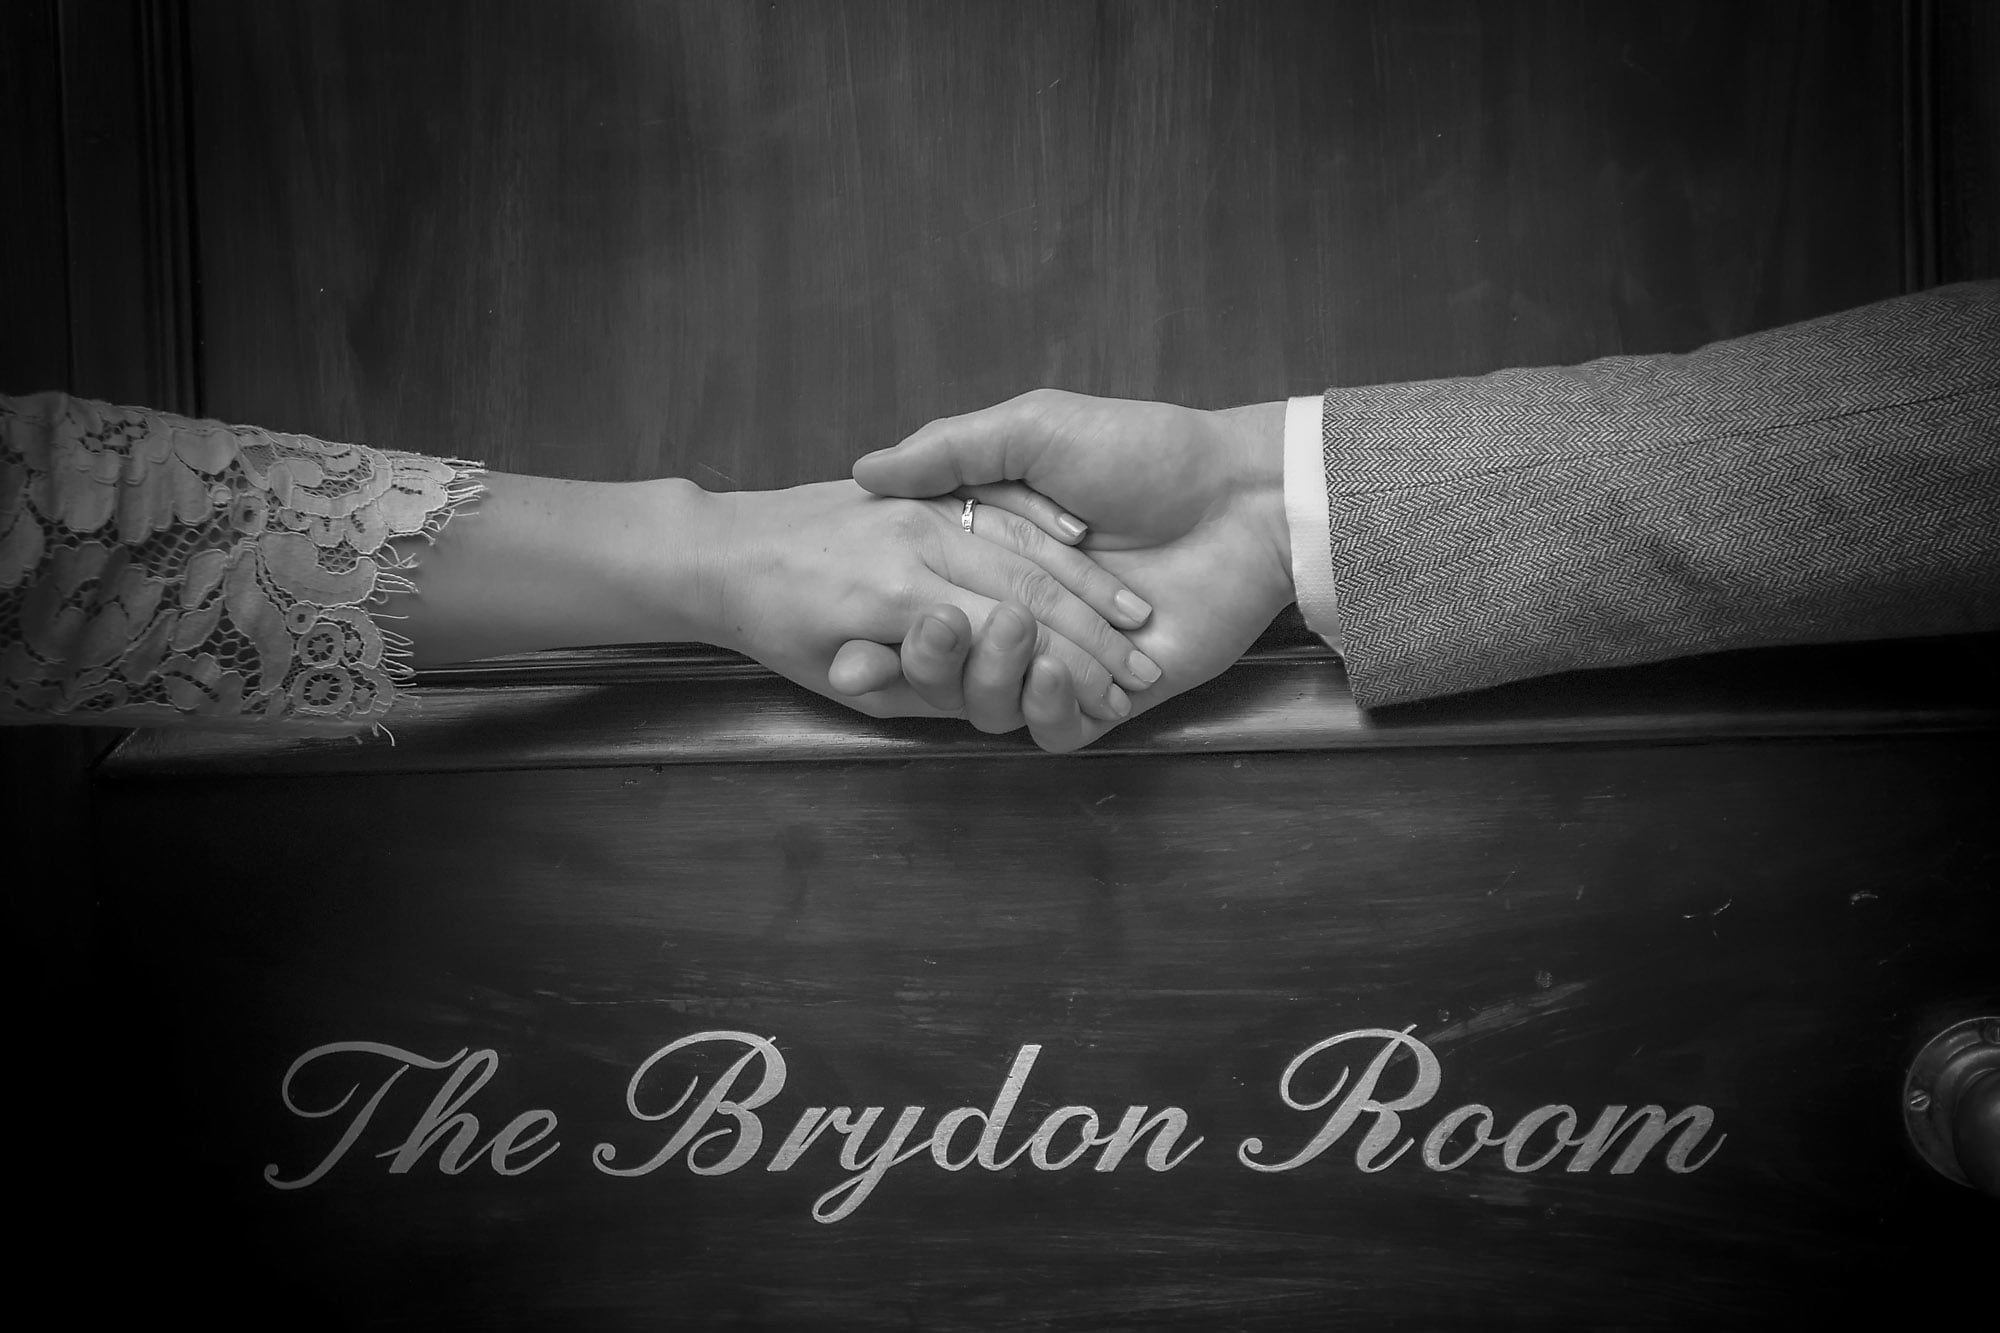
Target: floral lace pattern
158,569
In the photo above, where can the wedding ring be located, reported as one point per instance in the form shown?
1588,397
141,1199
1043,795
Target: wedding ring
965,515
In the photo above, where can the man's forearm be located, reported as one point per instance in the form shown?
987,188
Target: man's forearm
1833,480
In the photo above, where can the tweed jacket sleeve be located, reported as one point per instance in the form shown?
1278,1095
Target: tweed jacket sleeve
1832,480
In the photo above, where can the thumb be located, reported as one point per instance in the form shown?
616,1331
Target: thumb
861,667
997,443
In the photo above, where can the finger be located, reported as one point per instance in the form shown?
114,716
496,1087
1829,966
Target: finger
1020,498
997,664
997,668
861,667
933,658
999,443
991,570
1049,705
1096,693
1097,587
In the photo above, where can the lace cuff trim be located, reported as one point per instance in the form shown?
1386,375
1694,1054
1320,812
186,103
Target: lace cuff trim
155,569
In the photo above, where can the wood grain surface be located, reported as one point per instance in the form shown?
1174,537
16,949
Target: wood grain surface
1765,930
747,242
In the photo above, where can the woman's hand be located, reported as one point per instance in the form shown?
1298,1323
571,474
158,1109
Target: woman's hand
791,576
1185,506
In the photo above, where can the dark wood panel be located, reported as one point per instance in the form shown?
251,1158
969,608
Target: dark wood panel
34,337
126,204
1764,931
1966,126
746,242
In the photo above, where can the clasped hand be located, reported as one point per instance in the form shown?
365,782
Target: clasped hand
1186,559
821,578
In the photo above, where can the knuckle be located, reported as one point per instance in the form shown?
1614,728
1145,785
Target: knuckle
1092,680
1091,638
1086,673
1089,581
1027,540
1037,589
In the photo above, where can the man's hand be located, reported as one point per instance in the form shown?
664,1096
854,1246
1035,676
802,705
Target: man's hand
1185,506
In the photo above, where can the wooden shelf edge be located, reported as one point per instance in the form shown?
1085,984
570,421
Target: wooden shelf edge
607,708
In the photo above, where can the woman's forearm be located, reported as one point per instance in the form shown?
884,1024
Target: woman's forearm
543,563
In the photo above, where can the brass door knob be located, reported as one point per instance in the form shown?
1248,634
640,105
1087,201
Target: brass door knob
1951,1103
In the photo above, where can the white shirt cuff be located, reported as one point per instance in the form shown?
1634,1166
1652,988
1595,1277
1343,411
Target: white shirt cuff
1305,514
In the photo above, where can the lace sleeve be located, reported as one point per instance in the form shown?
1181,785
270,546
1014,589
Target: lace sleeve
157,570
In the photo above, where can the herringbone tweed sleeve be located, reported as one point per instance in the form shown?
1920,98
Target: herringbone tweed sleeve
1832,480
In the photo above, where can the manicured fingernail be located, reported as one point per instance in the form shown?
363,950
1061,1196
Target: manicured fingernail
1144,667
1132,605
1073,528
1119,703
1006,629
937,637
